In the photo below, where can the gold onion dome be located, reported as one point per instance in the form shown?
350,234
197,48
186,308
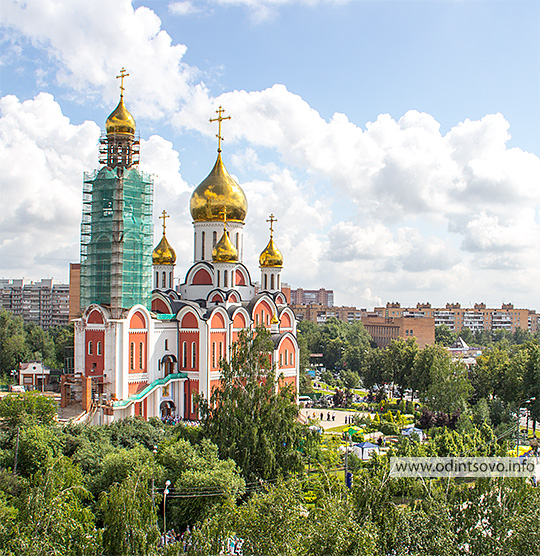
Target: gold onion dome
271,256
120,120
216,195
224,251
163,253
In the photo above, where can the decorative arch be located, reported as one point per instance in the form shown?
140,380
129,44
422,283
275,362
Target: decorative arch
240,278
159,306
201,278
137,320
286,320
217,321
239,321
280,298
95,317
189,320
233,298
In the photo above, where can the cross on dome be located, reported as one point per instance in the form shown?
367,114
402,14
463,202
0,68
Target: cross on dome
272,219
162,217
121,77
219,119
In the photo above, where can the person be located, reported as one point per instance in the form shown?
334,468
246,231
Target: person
333,416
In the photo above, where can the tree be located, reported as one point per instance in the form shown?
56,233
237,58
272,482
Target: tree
53,517
19,410
40,344
130,521
443,335
13,348
449,389
400,358
250,418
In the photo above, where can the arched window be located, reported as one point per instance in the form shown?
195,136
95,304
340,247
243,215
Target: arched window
157,279
220,351
291,358
278,284
218,277
271,281
170,280
225,279
98,347
268,320
281,359
194,246
166,344
214,239
266,281
286,356
90,348
132,355
257,319
213,354
203,237
184,355
141,366
193,355
163,280
237,240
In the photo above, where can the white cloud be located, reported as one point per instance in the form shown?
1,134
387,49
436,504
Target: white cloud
88,42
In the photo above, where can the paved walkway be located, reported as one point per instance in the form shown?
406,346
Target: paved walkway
323,421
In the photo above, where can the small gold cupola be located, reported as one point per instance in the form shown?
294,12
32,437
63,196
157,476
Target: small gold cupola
271,257
224,251
120,121
218,192
163,253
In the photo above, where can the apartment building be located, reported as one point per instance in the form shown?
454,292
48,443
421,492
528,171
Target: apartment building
478,317
43,303
312,297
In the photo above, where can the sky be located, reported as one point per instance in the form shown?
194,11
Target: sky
397,142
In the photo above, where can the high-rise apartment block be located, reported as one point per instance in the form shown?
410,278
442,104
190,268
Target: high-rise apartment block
312,297
43,303
478,317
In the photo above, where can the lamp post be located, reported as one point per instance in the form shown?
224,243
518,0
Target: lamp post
529,400
165,492
153,477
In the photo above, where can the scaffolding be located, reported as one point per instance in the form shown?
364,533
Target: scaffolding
116,238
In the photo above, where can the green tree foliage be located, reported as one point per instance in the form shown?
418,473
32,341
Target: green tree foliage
444,336
40,344
130,521
400,358
30,408
248,417
200,480
52,516
13,348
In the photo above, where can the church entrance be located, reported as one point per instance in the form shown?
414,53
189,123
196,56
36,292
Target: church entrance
167,408
168,364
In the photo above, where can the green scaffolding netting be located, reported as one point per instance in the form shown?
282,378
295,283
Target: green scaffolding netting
116,238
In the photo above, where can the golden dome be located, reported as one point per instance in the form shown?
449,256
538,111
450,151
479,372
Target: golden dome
120,120
163,253
271,256
216,195
224,251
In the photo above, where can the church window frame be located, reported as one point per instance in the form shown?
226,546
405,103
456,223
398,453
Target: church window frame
166,344
193,355
214,239
184,355
203,241
90,348
98,348
214,355
132,356
272,281
164,279
141,350
225,279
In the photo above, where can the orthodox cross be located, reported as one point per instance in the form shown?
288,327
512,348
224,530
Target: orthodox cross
219,119
162,217
272,219
121,77
224,214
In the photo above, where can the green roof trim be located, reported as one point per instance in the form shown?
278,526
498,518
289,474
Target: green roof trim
143,393
165,316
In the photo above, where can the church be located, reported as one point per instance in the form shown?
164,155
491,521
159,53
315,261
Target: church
146,347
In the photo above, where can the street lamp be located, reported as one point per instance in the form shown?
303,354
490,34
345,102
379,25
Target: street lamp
153,476
165,492
519,421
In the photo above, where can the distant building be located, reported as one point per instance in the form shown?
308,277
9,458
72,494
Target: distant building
43,303
312,297
320,313
478,317
74,291
385,329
